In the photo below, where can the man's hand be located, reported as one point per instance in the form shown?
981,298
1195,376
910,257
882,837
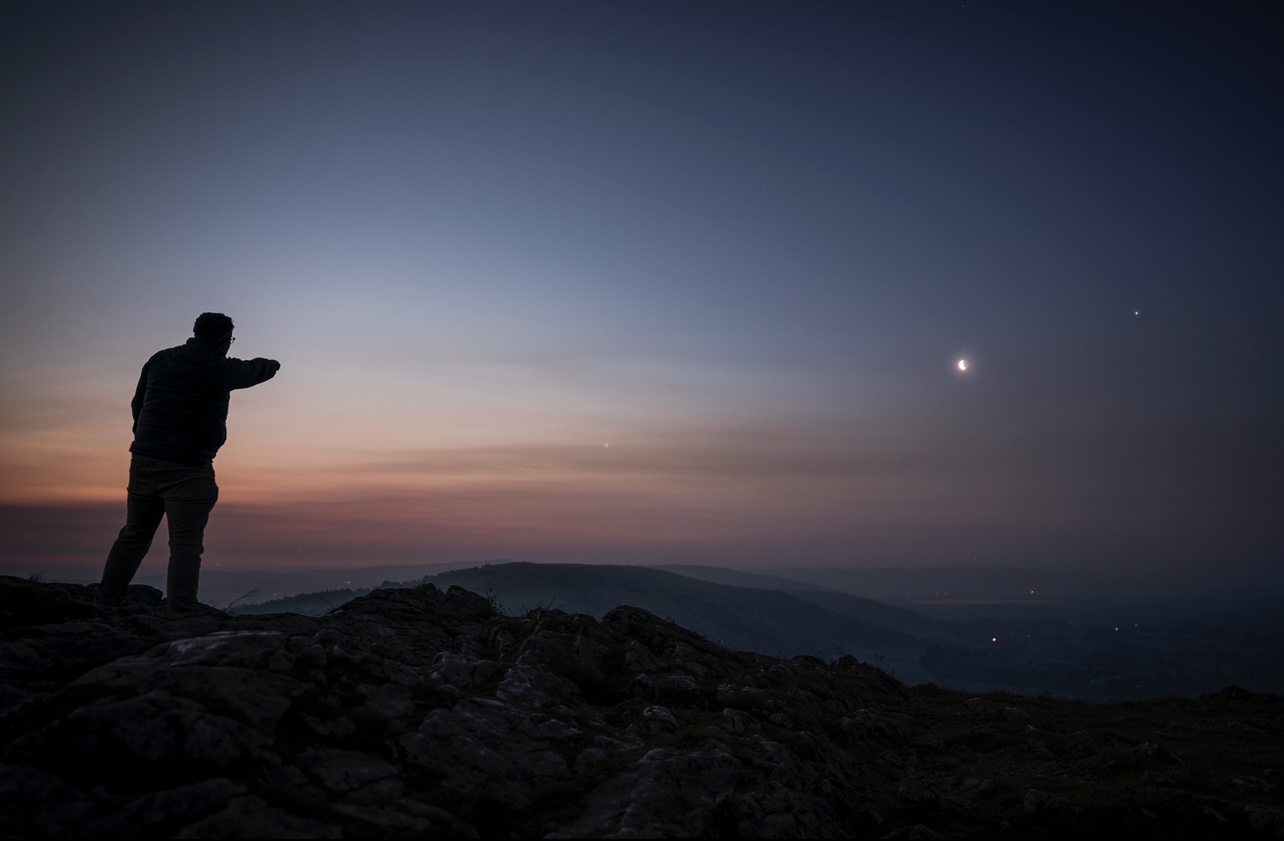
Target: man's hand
276,366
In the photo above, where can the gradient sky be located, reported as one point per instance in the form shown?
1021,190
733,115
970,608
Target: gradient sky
657,282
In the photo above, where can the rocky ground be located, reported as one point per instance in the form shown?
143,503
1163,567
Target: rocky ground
413,713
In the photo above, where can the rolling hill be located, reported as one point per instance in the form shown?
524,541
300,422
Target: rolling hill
746,618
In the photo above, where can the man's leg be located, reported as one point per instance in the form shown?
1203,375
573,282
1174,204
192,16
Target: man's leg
189,498
144,513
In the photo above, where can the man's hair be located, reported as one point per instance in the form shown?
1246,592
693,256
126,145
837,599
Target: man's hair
213,327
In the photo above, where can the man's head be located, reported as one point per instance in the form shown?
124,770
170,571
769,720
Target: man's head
213,328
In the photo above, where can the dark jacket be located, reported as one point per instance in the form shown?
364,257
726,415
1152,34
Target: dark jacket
180,406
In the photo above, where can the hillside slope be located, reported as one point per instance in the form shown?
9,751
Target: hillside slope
768,622
844,604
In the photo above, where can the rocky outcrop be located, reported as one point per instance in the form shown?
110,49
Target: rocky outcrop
416,712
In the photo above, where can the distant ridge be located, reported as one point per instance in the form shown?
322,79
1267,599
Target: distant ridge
738,578
844,604
746,618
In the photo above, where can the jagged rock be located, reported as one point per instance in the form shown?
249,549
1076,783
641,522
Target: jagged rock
155,729
353,774
660,717
1152,750
333,729
1266,818
234,667
415,712
1253,783
475,746
530,683
1212,814
660,687
739,721
919,832
664,794
37,801
939,791
915,790
462,672
388,820
250,816
180,805
980,705
391,702
1042,802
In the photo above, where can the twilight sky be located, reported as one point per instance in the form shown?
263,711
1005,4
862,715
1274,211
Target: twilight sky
657,282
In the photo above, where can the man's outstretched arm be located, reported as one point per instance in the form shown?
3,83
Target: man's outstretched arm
243,373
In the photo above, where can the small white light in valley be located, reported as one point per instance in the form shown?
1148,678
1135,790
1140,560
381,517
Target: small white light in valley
962,364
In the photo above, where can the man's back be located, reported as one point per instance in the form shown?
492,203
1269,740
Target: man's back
180,406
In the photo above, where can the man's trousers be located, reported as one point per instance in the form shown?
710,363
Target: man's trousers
182,493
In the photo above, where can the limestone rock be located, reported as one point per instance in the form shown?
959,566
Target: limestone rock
1041,802
1266,818
421,713
251,817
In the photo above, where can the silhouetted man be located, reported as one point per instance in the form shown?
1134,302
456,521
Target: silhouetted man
180,421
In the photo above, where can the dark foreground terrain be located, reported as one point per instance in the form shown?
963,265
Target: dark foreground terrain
413,713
